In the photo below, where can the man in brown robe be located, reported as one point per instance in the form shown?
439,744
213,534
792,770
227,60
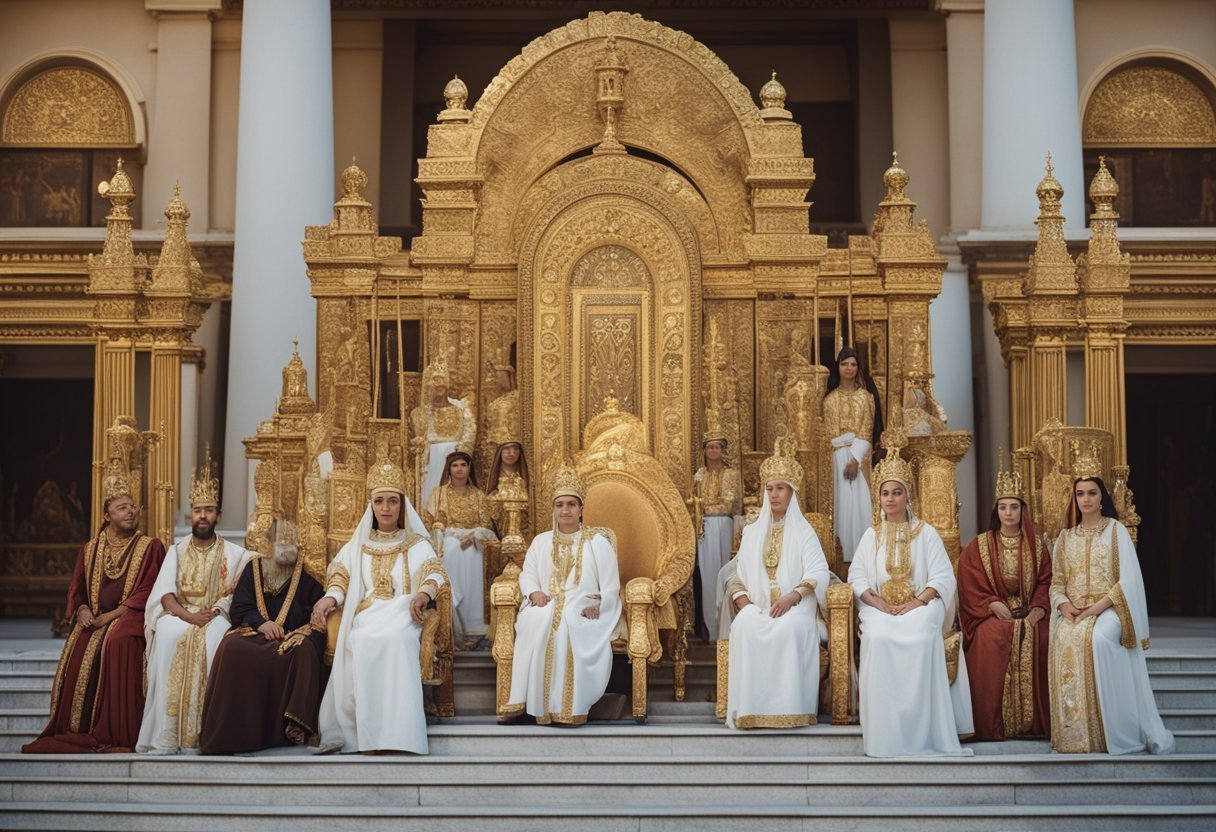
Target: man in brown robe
1003,590
97,700
266,682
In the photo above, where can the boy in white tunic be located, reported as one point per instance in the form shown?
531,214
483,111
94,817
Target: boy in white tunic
572,600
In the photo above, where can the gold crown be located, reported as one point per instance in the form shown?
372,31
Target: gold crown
1086,464
385,475
567,483
204,485
437,369
715,431
116,484
782,465
1009,484
893,466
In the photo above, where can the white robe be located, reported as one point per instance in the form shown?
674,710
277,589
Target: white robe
713,550
1130,720
908,706
373,700
574,653
774,662
466,572
177,669
853,506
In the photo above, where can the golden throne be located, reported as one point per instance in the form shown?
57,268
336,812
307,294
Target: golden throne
630,494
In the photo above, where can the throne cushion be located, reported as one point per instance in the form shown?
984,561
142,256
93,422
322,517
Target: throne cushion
638,536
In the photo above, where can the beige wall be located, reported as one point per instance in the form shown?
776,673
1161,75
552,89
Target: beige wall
1108,30
919,115
225,104
358,48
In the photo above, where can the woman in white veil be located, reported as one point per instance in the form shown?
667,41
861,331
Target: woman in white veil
382,580
780,584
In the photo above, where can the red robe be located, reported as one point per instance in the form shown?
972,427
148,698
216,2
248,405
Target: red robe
989,642
97,700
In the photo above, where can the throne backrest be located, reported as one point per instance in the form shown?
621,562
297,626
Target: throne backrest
641,533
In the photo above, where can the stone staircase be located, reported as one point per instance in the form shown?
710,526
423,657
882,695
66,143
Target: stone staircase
681,770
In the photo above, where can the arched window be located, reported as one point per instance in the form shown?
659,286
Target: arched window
62,128
1155,122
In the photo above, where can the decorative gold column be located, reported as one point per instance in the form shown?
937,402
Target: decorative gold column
1051,289
1105,277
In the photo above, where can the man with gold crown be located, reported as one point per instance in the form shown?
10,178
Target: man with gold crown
440,426
780,584
718,497
382,579
1004,576
265,684
1101,697
97,698
906,593
186,619
571,602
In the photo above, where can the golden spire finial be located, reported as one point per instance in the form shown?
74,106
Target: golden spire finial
1050,190
295,398
354,180
896,179
176,210
772,101
204,484
1103,189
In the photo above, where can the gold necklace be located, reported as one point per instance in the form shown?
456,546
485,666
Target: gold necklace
115,560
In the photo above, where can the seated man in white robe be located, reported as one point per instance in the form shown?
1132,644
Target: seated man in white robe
781,582
572,600
383,579
906,592
185,620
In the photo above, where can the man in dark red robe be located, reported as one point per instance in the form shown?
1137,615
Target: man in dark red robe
97,700
269,672
1004,582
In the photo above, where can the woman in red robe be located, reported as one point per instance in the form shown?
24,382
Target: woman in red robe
1004,579
97,700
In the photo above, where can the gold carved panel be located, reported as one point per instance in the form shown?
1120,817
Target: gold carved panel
1149,106
68,106
613,342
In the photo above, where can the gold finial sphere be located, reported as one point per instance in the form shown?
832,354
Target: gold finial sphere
1103,189
1049,188
772,94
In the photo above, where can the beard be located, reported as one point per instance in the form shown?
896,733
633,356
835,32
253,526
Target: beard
278,568
203,530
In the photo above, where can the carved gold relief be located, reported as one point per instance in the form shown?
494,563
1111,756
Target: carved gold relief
1149,106
68,106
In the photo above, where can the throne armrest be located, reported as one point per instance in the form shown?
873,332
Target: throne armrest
505,598
840,650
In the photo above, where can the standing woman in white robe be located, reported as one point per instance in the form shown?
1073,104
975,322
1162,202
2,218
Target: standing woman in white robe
852,418
458,515
780,585
383,580
906,592
572,600
720,491
1099,632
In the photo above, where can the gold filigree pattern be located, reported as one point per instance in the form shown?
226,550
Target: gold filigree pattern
1151,106
68,106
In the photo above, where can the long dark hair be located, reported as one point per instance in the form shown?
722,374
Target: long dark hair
863,380
447,468
496,466
1108,502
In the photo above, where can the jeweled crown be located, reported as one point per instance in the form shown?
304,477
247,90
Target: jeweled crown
893,466
782,465
567,483
116,484
385,475
204,484
714,429
1087,462
435,371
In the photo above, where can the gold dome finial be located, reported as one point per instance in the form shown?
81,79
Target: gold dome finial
772,101
455,98
1049,189
119,189
782,465
1103,189
204,484
896,179
354,180
176,209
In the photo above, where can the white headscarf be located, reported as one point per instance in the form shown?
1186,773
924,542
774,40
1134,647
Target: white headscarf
798,533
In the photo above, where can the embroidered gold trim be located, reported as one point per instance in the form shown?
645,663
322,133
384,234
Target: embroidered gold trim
83,677
260,597
776,720
1127,628
338,579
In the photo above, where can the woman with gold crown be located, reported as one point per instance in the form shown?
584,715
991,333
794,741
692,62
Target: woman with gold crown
852,418
779,587
571,603
719,493
382,579
1004,576
440,426
458,515
1101,699
905,588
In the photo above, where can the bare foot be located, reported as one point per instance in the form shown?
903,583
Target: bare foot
295,733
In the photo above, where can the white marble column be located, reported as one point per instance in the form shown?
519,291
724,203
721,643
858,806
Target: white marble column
285,181
1030,109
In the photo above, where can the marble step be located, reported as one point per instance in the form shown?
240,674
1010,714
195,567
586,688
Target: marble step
515,789
598,817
